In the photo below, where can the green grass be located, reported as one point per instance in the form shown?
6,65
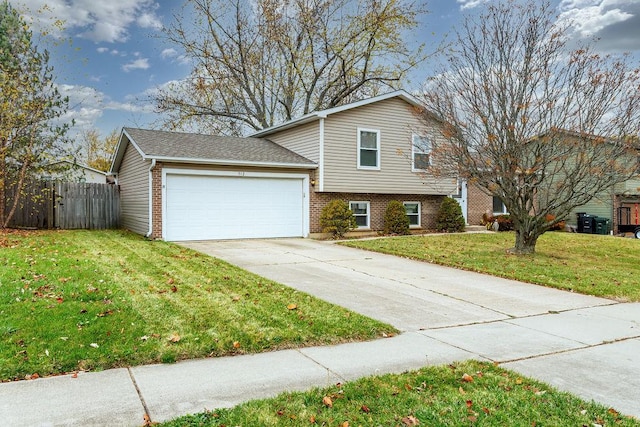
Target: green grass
92,300
597,265
433,396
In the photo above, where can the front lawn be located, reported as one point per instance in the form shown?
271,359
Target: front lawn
91,300
597,265
461,394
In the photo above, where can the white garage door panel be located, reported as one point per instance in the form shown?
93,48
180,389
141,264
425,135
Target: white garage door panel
222,207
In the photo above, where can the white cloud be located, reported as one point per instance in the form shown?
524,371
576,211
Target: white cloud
469,4
588,17
168,53
138,64
102,49
85,105
100,21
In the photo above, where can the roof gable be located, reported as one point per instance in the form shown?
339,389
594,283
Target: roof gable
207,149
401,94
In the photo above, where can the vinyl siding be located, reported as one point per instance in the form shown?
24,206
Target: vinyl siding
631,187
133,178
304,140
601,205
396,121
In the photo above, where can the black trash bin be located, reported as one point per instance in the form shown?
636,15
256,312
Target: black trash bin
586,223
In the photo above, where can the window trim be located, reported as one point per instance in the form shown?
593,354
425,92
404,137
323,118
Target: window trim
378,145
419,224
417,150
368,215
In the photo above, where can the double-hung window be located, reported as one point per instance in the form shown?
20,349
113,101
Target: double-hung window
361,213
368,149
413,212
420,153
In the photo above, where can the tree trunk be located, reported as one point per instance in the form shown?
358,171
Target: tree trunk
525,242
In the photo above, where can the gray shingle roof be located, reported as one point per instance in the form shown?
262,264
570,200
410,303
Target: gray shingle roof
188,146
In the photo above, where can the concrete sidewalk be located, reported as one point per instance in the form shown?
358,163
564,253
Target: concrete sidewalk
585,345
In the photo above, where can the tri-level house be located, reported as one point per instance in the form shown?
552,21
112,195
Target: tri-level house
275,183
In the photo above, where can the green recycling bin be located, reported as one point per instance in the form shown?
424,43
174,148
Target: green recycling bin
601,225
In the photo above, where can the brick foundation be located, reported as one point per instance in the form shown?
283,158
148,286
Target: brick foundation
478,203
429,205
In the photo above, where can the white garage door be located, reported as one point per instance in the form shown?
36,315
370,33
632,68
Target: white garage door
229,207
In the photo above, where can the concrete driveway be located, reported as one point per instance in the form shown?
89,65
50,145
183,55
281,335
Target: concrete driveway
586,345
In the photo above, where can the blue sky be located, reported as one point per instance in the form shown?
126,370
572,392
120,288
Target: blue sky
115,57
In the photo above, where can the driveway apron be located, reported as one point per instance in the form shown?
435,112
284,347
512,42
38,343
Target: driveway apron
586,345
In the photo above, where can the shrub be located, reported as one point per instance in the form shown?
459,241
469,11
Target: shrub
450,218
559,226
336,218
396,220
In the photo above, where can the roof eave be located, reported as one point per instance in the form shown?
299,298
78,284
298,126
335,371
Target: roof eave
222,162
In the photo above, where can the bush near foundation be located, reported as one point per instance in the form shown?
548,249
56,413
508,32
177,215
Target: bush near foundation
449,218
396,220
336,218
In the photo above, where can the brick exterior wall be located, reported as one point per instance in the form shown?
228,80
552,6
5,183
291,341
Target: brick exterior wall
478,203
429,205
156,209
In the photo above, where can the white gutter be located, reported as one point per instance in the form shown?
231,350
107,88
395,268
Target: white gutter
215,162
153,165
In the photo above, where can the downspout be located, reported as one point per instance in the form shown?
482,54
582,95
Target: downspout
153,165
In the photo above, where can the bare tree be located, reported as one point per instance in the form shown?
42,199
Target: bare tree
257,63
540,125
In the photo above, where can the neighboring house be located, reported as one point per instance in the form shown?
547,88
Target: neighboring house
178,186
69,171
605,204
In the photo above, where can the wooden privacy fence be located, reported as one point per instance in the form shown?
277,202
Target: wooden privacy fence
67,205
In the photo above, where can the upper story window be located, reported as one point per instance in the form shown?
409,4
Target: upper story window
420,152
368,149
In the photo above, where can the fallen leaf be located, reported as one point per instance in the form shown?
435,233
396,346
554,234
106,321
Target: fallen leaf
467,378
174,338
365,409
461,390
345,424
74,375
613,412
174,289
410,421
144,337
326,401
469,403
292,306
236,344
312,419
472,418
236,298
170,281
60,300
519,381
94,345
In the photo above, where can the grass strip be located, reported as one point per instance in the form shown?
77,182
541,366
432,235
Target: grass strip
461,394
